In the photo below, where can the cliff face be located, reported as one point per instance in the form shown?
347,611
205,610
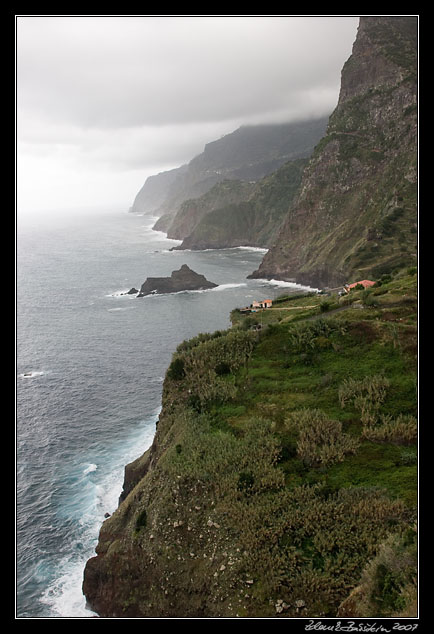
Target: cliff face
248,154
355,214
191,212
282,461
285,460
154,191
254,221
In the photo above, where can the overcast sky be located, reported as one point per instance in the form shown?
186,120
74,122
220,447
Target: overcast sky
105,101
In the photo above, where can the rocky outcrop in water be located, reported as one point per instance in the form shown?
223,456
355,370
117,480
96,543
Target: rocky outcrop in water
185,279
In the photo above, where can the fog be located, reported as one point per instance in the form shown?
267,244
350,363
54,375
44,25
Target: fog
105,101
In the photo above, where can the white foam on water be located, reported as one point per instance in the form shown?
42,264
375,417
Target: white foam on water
122,293
257,249
224,287
90,468
31,374
115,310
64,596
98,496
284,284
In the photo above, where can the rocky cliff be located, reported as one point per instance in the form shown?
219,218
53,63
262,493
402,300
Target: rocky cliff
282,475
191,212
252,221
355,214
282,479
248,154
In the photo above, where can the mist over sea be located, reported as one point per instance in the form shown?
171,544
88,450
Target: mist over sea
90,368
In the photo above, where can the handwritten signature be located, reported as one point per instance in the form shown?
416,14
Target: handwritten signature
352,626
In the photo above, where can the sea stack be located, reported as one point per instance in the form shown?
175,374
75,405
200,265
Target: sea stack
185,279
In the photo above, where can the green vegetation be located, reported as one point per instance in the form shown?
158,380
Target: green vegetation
282,479
283,471
389,582
305,441
176,370
141,520
253,220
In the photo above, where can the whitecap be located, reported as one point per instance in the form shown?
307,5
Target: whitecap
224,287
122,293
30,375
288,285
90,468
258,249
64,595
155,294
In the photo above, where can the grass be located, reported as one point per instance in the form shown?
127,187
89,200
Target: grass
248,504
283,378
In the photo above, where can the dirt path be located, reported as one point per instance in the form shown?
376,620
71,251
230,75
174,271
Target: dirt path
292,307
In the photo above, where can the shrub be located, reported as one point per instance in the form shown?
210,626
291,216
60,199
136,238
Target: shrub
373,388
176,369
248,322
206,364
303,337
386,278
320,439
401,431
222,368
388,582
368,299
141,520
408,458
245,481
194,402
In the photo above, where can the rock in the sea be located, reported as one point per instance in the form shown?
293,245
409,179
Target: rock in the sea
132,291
185,279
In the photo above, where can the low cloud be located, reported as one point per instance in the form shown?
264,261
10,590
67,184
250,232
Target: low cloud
130,92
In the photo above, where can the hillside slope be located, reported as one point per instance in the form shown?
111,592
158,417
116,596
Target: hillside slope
282,479
248,154
252,221
283,473
356,213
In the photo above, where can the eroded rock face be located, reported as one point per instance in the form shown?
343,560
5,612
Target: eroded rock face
173,547
361,179
185,279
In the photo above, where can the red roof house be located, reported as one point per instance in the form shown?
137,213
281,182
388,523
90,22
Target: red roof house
364,283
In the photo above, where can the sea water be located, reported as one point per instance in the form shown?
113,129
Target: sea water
90,364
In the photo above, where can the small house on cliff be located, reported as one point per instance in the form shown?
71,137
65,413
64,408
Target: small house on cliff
265,303
255,306
364,283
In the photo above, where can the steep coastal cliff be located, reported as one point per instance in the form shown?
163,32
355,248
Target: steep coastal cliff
355,215
247,154
282,479
252,220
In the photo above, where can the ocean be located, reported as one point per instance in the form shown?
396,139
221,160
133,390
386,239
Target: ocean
90,363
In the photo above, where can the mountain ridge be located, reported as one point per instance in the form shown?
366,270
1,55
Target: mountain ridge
356,210
249,153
